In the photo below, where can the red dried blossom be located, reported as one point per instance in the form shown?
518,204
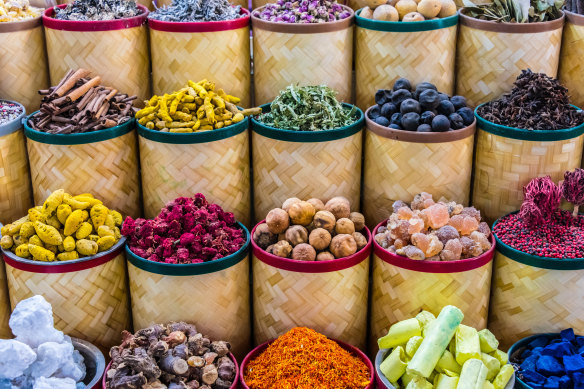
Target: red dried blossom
573,188
541,200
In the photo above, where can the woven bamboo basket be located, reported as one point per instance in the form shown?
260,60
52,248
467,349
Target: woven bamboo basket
400,164
320,164
386,51
214,162
23,60
327,296
89,295
491,55
176,55
116,50
506,159
304,54
428,286
15,190
212,295
104,163
571,66
533,294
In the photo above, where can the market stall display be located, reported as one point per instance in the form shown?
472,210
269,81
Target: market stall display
541,243
174,355
417,139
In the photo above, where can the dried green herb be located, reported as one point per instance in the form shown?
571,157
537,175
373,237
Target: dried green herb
515,11
308,108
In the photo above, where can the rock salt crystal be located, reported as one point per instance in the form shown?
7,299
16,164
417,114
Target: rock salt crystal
32,322
15,358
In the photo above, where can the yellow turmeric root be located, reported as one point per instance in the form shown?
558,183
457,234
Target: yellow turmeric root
41,254
48,234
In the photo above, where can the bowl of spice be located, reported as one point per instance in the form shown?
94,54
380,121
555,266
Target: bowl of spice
532,130
572,46
319,32
192,130
418,139
67,238
109,37
530,30
541,243
303,358
179,32
196,247
323,246
308,143
82,137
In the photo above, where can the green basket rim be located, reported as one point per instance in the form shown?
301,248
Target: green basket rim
426,25
193,137
309,136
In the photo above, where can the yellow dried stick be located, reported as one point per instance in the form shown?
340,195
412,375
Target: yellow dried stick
68,256
48,234
73,222
63,212
69,243
41,254
22,251
84,230
98,215
52,202
105,243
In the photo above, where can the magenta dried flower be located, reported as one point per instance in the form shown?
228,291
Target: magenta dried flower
573,188
543,195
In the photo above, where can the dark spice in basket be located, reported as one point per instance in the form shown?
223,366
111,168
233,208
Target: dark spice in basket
536,102
98,10
9,111
197,11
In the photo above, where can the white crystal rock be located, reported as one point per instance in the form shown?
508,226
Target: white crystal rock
73,367
15,358
54,383
32,322
51,357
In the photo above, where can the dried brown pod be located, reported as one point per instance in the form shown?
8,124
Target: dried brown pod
301,213
296,235
326,220
277,220
320,238
343,245
263,237
325,256
360,240
282,249
316,203
344,226
304,252
339,206
358,220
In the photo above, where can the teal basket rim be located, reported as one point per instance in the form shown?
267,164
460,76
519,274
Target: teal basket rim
426,25
309,136
193,137
521,134
78,139
535,260
191,269
15,124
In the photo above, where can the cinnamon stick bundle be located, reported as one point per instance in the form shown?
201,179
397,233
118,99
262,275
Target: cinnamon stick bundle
79,103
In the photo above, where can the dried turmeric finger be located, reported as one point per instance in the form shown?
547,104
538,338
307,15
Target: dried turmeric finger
228,98
181,130
36,241
48,234
73,222
22,251
219,125
150,125
84,230
118,219
93,237
209,113
27,230
76,203
41,254
185,117
18,240
237,117
69,243
146,111
52,202
147,118
53,222
199,90
6,242
88,199
106,242
68,256
98,215
175,102
63,212
252,111
86,247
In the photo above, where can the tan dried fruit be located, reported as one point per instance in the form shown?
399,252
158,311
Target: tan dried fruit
320,238
301,213
277,220
343,245
296,235
344,226
304,252
339,206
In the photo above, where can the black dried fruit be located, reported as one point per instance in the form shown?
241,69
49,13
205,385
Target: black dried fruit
426,117
410,121
424,128
456,121
409,105
395,126
382,96
423,86
458,102
388,109
443,96
382,121
400,95
402,83
467,115
374,112
429,99
445,108
440,123
396,118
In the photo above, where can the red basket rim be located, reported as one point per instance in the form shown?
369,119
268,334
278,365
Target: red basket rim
93,25
221,25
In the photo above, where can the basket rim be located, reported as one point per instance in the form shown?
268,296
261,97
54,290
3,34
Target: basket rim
212,26
574,18
425,266
302,28
511,28
419,137
308,136
191,269
21,25
93,25
14,125
535,260
386,26
350,348
193,137
312,266
529,135
78,138
80,344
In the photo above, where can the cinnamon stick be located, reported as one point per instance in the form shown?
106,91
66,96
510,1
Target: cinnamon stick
69,81
77,93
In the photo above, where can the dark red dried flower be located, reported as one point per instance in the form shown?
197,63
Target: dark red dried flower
573,188
541,200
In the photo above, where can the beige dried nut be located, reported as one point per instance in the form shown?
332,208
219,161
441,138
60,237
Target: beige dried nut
320,238
277,220
317,204
263,237
358,220
344,226
325,256
288,203
304,252
360,240
326,220
296,235
301,213
339,206
282,249
343,245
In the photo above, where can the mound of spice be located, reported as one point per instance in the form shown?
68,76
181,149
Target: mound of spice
170,356
303,11
515,11
304,359
15,10
79,103
307,108
187,230
9,111
196,107
98,10
541,228
196,11
536,102
434,231
311,230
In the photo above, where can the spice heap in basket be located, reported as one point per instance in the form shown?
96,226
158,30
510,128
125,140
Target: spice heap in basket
83,10
196,11
15,10
64,228
187,230
434,231
304,359
408,10
39,356
175,355
515,11
311,230
552,363
79,104
194,108
440,352
541,228
422,109
536,102
9,111
307,108
302,11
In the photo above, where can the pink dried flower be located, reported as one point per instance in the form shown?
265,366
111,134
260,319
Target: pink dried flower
573,188
541,199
